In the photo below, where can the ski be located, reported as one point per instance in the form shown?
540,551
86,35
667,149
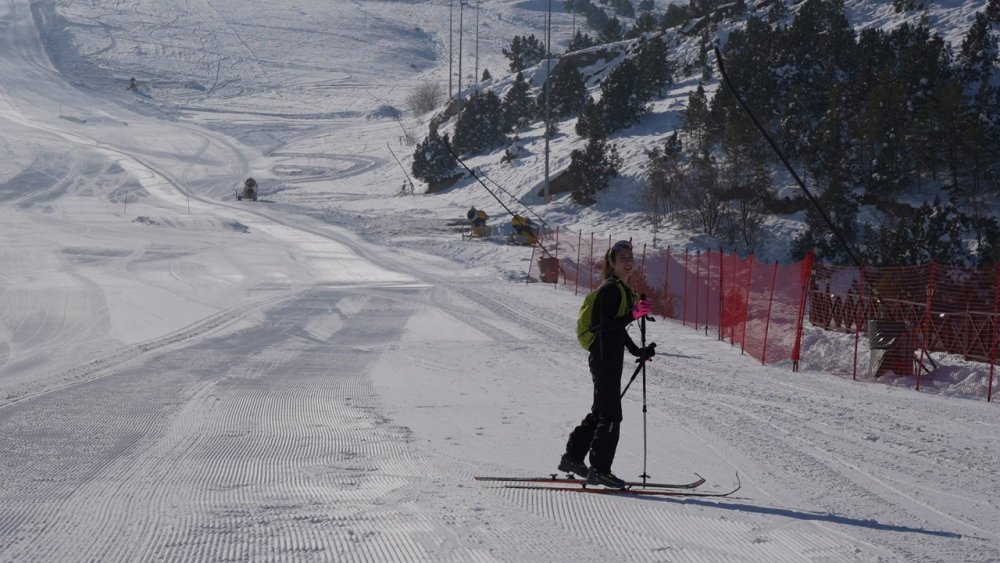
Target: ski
555,479
628,492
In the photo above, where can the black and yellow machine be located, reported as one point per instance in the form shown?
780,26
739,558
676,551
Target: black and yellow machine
477,219
249,190
524,231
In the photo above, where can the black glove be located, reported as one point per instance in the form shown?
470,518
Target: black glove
647,353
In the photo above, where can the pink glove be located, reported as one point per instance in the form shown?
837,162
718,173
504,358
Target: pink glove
642,308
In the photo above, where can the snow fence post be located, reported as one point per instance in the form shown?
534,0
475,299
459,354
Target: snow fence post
722,290
556,284
687,271
767,324
697,285
746,313
666,281
579,247
859,321
993,347
926,321
805,273
708,290
590,277
531,263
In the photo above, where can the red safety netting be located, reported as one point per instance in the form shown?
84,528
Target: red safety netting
936,309
762,307
758,306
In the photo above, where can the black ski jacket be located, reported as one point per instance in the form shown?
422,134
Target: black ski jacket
607,353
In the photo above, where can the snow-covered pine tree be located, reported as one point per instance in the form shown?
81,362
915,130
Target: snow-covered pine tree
993,11
591,121
480,124
518,105
611,31
622,97
524,51
655,69
978,54
569,91
580,41
432,161
590,170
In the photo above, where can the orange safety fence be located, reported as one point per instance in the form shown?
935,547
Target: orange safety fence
754,305
763,307
939,309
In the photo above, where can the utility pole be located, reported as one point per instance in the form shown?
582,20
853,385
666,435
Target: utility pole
451,73
461,5
477,40
548,93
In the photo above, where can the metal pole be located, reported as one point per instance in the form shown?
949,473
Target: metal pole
642,333
548,90
477,40
451,73
461,6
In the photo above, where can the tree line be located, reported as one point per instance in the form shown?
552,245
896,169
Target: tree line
898,130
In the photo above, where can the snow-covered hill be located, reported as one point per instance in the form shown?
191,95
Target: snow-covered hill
319,375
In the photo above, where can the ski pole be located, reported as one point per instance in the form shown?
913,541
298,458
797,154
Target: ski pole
642,363
635,374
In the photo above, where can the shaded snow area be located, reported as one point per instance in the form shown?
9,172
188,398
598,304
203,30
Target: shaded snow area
319,375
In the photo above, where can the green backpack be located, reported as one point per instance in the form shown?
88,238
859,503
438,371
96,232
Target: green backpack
586,330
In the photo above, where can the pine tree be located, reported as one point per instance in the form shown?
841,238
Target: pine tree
978,54
591,169
623,8
993,11
432,161
611,31
676,14
645,23
518,106
524,51
622,97
842,208
486,75
580,41
655,69
696,118
986,238
664,178
569,92
590,124
480,124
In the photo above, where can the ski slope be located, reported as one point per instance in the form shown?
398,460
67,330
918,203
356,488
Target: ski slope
318,376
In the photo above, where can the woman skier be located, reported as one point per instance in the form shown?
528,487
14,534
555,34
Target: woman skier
614,307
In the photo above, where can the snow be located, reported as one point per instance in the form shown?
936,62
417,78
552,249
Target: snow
320,374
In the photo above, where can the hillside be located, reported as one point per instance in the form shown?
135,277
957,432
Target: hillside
320,374
859,196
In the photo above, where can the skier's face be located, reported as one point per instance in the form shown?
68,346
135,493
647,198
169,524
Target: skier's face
622,262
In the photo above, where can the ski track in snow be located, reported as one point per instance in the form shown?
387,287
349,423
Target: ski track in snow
295,390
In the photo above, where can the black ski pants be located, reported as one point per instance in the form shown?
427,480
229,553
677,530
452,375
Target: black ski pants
599,431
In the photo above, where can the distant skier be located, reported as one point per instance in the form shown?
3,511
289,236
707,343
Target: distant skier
614,307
